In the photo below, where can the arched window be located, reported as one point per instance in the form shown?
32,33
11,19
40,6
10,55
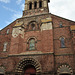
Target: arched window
32,44
33,26
62,40
35,5
30,5
60,24
5,46
40,4
7,31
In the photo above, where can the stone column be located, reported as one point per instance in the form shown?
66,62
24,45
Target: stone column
38,4
32,5
26,5
45,3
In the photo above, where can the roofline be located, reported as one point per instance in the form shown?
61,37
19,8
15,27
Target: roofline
38,15
62,17
47,14
8,25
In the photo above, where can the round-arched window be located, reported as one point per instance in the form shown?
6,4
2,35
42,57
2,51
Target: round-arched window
62,42
32,44
33,25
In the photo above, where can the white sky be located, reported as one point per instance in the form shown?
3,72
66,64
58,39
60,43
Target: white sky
63,8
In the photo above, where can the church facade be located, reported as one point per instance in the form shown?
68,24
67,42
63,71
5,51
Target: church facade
38,43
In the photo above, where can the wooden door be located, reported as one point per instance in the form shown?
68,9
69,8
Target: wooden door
30,70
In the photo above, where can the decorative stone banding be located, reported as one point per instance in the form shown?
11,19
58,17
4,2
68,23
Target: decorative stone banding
63,69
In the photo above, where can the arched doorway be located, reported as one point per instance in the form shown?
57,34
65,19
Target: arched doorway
29,70
28,66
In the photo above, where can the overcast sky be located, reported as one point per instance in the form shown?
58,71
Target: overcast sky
63,8
12,9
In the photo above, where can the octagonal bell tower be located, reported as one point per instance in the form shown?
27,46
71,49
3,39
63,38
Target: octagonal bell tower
35,7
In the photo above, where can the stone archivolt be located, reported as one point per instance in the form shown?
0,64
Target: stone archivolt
64,69
28,61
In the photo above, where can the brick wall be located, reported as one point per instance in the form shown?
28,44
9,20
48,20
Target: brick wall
4,37
48,41
63,55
